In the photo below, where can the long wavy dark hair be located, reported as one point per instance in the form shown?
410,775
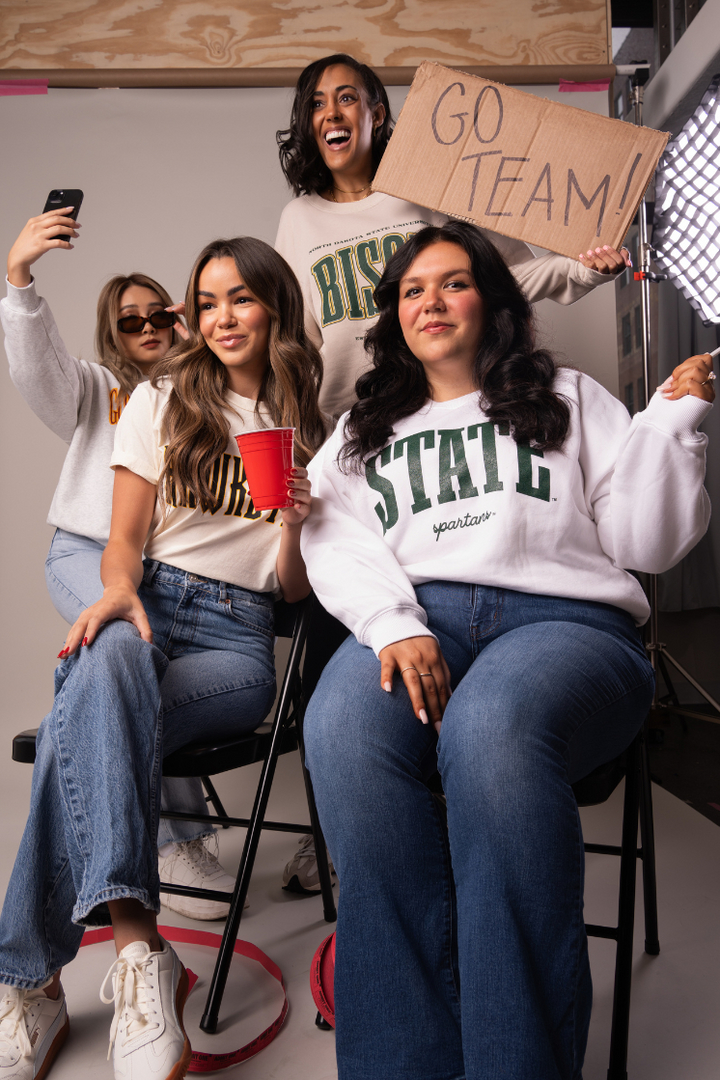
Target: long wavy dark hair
300,159
513,377
193,421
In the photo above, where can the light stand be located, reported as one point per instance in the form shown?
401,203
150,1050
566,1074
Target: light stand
659,655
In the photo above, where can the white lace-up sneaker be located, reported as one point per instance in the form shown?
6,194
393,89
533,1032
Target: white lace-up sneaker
149,991
33,1028
301,873
191,863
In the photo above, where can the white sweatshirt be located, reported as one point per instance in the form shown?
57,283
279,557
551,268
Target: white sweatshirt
454,498
338,252
81,402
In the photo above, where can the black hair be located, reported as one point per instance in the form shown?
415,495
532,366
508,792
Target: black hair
300,158
513,377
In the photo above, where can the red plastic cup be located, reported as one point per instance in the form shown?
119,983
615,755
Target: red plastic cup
267,456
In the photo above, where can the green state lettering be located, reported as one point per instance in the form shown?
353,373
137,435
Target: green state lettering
489,449
345,255
525,454
390,244
333,306
368,252
388,513
414,466
452,449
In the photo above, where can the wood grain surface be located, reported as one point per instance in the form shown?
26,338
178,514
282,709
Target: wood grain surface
278,34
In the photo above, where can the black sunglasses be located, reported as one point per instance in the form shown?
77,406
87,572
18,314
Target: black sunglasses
135,324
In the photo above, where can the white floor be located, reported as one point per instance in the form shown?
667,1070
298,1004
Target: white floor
674,1029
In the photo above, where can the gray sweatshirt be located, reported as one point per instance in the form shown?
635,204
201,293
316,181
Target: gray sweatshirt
79,401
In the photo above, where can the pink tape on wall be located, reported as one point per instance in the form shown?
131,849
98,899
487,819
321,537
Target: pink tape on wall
15,87
568,86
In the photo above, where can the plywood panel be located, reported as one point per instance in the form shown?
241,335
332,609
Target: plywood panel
108,34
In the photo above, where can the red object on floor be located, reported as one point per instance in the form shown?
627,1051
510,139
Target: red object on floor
206,1063
322,979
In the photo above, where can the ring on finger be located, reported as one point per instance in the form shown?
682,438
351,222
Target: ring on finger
423,673
410,667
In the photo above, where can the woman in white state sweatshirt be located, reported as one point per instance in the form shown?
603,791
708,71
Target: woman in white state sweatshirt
337,234
82,403
472,522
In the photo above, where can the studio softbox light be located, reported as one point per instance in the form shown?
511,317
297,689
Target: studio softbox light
686,227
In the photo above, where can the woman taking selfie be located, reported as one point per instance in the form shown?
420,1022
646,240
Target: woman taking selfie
337,234
82,403
471,519
197,616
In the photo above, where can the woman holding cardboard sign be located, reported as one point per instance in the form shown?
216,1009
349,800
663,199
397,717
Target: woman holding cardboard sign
337,234
472,517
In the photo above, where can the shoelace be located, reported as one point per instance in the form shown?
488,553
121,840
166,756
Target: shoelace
307,848
202,857
131,995
12,1020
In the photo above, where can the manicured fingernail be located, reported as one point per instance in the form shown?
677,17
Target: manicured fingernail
84,641
591,252
437,725
666,384
424,717
387,686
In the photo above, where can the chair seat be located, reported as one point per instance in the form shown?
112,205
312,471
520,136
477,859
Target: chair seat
206,758
598,786
202,758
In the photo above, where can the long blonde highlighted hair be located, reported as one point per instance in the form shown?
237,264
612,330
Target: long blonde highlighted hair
194,424
108,343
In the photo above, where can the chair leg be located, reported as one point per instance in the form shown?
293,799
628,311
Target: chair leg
209,1019
647,839
626,919
213,798
326,888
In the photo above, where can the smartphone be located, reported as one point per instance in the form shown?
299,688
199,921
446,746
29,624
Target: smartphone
60,198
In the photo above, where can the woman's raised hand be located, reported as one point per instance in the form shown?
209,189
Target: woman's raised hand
422,668
37,238
606,260
694,377
299,491
116,603
179,309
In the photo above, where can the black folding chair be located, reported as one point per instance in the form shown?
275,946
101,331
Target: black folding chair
208,758
596,788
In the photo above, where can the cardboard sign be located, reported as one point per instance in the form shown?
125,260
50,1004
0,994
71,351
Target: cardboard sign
549,174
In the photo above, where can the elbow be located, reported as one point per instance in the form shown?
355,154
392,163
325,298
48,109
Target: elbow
294,593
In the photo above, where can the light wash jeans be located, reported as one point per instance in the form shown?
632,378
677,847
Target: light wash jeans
91,835
461,951
72,573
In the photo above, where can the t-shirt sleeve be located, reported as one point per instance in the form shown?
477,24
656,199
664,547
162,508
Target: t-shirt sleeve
137,438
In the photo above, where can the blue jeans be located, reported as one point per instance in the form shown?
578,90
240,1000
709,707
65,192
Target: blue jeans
91,835
461,952
72,573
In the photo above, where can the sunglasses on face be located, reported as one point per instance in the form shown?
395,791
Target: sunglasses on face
135,324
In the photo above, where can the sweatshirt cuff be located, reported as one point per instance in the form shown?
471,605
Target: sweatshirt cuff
395,626
22,299
586,276
677,418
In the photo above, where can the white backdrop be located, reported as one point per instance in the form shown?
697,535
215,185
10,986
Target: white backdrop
164,172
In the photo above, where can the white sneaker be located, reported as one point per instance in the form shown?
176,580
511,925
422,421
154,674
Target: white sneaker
149,992
191,863
33,1028
301,873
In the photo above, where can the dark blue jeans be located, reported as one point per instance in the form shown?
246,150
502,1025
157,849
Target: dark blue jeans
461,953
